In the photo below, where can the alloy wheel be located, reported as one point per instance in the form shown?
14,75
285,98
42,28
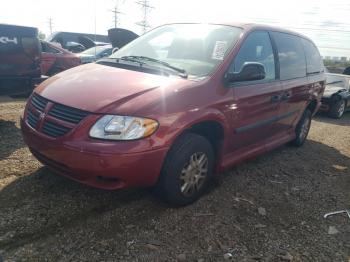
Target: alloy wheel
341,108
194,174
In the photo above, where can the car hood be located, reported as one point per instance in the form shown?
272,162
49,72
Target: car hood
331,89
101,89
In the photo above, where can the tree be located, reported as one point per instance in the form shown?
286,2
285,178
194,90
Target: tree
42,35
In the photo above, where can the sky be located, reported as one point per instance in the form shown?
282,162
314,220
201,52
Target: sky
326,22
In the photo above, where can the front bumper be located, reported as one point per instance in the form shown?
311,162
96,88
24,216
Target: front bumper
325,104
97,167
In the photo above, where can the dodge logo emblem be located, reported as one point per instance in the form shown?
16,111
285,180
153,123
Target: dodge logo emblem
42,115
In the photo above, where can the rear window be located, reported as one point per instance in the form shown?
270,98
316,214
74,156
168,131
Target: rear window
12,45
31,46
314,62
291,56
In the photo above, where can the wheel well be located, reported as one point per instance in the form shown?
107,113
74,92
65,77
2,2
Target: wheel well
337,97
211,130
312,106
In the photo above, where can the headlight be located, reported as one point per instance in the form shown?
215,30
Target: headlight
113,127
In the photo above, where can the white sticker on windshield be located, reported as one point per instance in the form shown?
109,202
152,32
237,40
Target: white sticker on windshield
219,50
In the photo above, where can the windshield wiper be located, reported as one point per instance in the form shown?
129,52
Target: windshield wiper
134,58
124,58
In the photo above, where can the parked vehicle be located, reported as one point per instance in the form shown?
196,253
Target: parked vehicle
119,37
77,42
336,97
94,53
19,59
347,71
55,59
176,106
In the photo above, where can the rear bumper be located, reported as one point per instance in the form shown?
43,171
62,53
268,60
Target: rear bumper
107,170
19,84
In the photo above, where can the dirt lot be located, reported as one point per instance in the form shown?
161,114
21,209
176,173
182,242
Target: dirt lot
268,209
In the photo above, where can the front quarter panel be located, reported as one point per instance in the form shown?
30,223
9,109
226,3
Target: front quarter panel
180,109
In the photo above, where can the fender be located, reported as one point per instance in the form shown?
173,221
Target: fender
342,94
186,121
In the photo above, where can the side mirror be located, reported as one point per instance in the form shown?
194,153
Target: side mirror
115,49
251,71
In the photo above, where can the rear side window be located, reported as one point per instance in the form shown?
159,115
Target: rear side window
256,48
291,56
314,62
48,49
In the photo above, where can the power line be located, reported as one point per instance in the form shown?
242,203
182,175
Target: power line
146,7
322,29
333,47
306,28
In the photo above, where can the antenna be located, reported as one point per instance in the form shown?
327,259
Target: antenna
95,20
145,6
50,25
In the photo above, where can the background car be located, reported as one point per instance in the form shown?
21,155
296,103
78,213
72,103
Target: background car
19,59
94,53
77,42
336,97
55,59
347,71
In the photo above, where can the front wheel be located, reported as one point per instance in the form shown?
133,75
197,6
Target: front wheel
337,109
187,170
302,128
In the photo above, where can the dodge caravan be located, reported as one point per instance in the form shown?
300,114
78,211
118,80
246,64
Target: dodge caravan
176,106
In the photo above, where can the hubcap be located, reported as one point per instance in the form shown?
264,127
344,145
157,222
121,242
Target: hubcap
194,173
305,128
341,108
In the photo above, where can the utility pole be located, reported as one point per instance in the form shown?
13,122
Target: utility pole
116,12
145,6
50,25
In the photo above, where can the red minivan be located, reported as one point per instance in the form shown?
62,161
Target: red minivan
176,106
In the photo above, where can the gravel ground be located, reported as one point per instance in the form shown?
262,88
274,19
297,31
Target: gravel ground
267,209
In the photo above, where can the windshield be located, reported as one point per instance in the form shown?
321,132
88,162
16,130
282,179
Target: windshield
95,50
196,48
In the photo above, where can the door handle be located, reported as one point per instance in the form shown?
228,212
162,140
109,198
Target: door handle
275,98
285,96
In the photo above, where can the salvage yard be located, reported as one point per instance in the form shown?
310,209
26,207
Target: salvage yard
267,209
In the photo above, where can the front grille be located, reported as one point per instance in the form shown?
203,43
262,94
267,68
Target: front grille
54,130
32,119
65,115
68,114
39,102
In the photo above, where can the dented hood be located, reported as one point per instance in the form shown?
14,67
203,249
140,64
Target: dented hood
101,89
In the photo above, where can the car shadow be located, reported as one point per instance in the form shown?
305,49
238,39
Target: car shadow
45,205
343,121
10,138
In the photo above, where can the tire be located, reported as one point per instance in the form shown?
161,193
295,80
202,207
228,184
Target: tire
302,128
337,109
180,169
